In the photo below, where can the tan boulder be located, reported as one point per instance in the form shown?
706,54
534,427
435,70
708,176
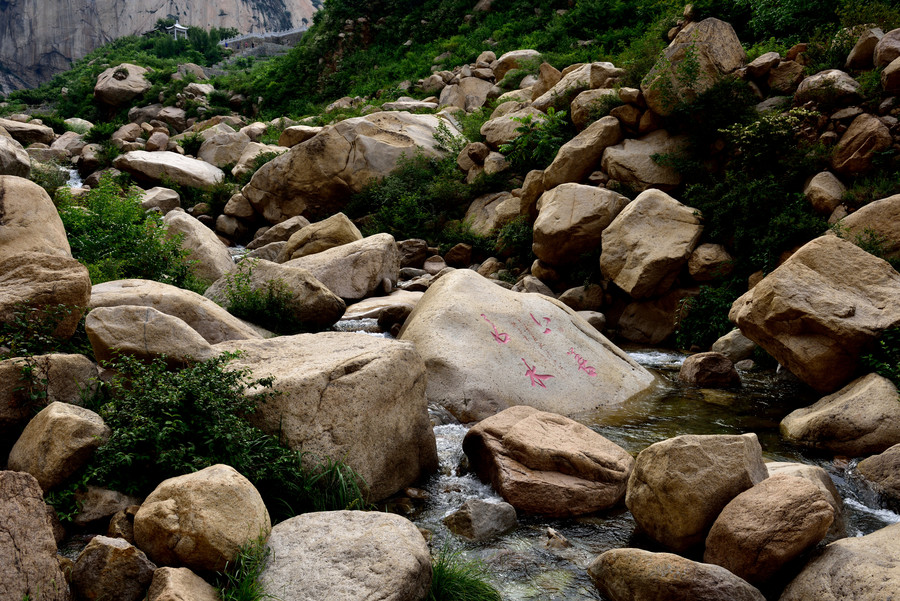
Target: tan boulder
859,419
118,85
887,49
831,86
865,567
548,76
180,584
881,218
504,128
111,568
183,170
709,47
586,102
652,321
577,158
882,471
71,142
571,219
317,177
638,575
734,345
297,134
590,76
514,60
890,77
280,232
648,242
200,520
492,211
211,256
347,555
820,478
308,301
548,464
356,269
632,162
709,370
709,262
480,520
211,321
223,149
160,199
857,148
13,158
761,65
248,156
144,333
29,569
57,442
767,526
820,309
28,133
583,298
30,220
157,141
680,485
55,285
862,55
356,398
824,191
487,349
372,308
319,236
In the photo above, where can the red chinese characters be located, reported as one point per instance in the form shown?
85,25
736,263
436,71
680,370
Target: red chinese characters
582,364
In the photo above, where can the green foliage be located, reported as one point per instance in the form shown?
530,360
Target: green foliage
515,239
453,578
270,306
240,580
57,124
703,319
538,141
885,357
792,19
884,13
191,143
102,132
31,330
115,238
50,176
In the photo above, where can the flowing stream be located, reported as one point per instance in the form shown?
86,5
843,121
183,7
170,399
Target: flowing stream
532,562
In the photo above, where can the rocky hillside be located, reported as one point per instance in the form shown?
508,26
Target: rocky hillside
40,39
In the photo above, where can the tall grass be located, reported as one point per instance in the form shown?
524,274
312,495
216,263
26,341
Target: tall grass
454,578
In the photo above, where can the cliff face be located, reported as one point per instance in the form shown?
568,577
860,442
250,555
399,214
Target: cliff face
39,38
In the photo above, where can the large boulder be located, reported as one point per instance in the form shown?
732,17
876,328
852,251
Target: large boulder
699,56
824,191
545,463
487,349
828,86
245,163
180,584
210,320
211,257
29,569
646,245
58,287
183,170
118,85
280,232
491,211
709,370
571,218
638,575
514,59
820,478
319,236
632,162
858,146
577,158
111,568
316,177
820,310
57,442
860,419
30,220
223,149
882,471
358,399
200,520
504,129
865,567
307,300
653,321
590,76
680,485
13,158
28,133
347,555
881,219
357,269
767,526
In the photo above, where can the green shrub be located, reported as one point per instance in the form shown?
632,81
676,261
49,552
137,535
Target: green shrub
454,578
885,357
50,176
31,330
538,141
56,123
101,132
240,579
191,143
115,238
703,319
270,306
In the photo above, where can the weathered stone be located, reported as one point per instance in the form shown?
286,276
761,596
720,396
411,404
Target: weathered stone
548,464
735,346
590,76
709,370
638,575
632,161
504,129
29,569
397,302
648,242
459,255
480,520
514,60
881,219
223,149
183,170
492,211
857,148
767,526
831,85
319,236
13,158
30,220
180,584
785,77
824,191
111,568
98,503
157,141
487,349
860,419
863,53
357,398
162,199
548,76
347,555
583,298
200,520
887,49
761,65
58,442
820,478
865,567
202,245
531,284
118,85
309,302
652,321
174,116
28,133
246,161
680,485
571,219
709,262
820,309
577,158
280,232
586,103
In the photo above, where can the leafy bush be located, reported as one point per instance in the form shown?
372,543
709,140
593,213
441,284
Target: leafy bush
454,578
30,330
269,306
538,141
112,235
191,143
54,122
703,319
885,357
50,176
102,132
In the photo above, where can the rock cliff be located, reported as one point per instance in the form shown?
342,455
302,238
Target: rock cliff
39,39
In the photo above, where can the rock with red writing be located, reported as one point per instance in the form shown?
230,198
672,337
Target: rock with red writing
487,349
549,464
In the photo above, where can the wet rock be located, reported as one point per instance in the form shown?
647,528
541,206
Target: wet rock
735,346
709,370
479,520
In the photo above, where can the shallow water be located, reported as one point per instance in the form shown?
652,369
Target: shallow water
524,565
